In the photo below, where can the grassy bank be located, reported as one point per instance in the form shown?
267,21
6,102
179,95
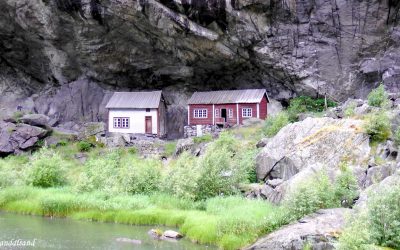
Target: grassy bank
229,222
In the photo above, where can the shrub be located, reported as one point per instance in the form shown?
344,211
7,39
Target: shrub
377,126
140,176
345,187
273,124
84,146
181,179
350,109
303,104
201,139
378,97
13,170
384,218
378,224
46,170
310,195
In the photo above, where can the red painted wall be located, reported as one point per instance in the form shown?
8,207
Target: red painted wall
253,106
263,109
200,121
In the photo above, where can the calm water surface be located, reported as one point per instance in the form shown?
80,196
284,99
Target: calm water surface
71,234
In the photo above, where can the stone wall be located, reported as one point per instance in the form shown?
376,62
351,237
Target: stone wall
191,131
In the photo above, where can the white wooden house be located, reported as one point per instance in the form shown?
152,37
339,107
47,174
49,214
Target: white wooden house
137,113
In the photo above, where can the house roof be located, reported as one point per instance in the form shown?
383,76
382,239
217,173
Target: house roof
149,99
228,96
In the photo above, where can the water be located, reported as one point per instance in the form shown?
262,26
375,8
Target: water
47,233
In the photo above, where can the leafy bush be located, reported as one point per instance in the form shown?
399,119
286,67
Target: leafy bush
201,139
13,171
378,97
84,146
181,179
376,225
303,104
384,218
377,125
46,170
273,124
309,196
140,176
113,173
318,192
345,187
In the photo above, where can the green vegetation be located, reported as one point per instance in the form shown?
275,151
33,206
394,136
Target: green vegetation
229,222
376,225
318,192
46,170
377,125
197,194
378,97
350,109
84,146
170,148
204,138
304,104
273,124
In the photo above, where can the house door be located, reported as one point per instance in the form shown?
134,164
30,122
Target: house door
223,114
149,125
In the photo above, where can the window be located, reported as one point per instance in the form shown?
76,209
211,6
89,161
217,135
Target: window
247,112
230,113
217,113
147,110
200,113
121,122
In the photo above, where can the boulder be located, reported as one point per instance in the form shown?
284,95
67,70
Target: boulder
319,230
92,129
17,137
172,234
39,120
379,173
252,122
323,141
377,188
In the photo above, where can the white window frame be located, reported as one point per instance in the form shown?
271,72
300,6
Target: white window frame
200,113
216,113
247,112
121,122
230,113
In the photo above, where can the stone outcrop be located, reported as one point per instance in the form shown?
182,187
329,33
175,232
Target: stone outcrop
302,149
319,231
14,138
62,58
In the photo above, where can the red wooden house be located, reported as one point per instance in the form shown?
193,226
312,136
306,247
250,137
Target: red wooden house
227,107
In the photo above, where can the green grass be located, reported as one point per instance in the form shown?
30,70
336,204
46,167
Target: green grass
203,138
170,148
228,222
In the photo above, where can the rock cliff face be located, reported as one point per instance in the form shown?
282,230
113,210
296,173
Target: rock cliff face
49,48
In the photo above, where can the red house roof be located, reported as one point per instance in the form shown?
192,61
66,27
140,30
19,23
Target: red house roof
228,96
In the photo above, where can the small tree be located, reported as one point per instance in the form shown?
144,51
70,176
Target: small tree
377,125
378,97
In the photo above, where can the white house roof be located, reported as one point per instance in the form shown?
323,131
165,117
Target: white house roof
228,96
149,99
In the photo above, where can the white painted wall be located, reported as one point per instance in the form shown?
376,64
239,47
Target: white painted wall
137,120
